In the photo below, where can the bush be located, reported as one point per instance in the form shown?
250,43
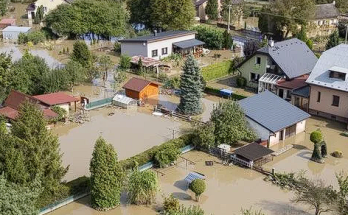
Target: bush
22,38
34,37
167,155
337,154
205,138
241,82
171,204
125,62
316,137
117,47
172,83
149,154
142,187
216,70
213,37
61,113
198,187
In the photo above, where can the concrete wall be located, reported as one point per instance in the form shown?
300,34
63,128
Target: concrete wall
134,49
325,104
300,127
250,67
165,44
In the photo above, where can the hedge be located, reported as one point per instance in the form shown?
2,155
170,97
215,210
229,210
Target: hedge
216,92
213,37
216,70
148,155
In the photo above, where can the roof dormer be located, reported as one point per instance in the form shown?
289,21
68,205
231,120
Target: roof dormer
338,73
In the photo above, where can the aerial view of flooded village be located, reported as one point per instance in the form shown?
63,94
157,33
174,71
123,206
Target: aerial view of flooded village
174,107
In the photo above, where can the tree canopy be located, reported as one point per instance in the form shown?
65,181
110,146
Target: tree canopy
212,9
334,40
102,18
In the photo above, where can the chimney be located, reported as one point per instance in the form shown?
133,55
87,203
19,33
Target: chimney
155,33
271,42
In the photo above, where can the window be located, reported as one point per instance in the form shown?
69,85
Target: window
319,95
165,50
335,101
254,77
288,94
338,75
258,60
154,53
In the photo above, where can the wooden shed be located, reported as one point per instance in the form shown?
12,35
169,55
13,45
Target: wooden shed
140,89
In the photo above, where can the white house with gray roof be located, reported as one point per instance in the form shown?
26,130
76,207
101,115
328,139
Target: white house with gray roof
272,118
278,67
160,45
329,85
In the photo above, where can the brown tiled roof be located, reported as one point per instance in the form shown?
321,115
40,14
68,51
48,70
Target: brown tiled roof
253,151
9,112
55,98
136,84
294,83
15,99
325,11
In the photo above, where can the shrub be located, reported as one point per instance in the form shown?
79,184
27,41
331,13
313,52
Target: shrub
172,83
235,62
125,62
241,82
22,38
216,70
205,137
309,43
117,47
61,113
316,156
198,187
171,204
36,37
337,154
213,37
316,137
142,187
168,154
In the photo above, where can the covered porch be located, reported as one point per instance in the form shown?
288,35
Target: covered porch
186,47
268,82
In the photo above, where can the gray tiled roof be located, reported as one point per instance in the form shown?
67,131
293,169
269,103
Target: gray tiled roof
271,111
334,57
188,43
324,11
293,57
159,36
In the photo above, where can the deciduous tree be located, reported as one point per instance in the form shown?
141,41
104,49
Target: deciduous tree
106,176
191,88
212,9
198,187
81,54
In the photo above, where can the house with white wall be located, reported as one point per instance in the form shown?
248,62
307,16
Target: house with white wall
279,67
162,44
59,99
47,5
273,119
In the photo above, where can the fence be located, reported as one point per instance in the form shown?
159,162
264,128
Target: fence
242,162
98,103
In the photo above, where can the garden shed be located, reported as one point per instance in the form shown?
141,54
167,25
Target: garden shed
12,32
140,89
251,155
124,101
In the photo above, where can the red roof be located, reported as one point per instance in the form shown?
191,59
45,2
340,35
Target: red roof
15,99
294,83
137,84
9,112
49,114
8,21
56,98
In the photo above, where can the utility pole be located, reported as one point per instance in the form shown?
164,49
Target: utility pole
229,18
345,41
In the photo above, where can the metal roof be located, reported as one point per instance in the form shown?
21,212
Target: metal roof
253,151
331,59
16,29
271,111
292,56
188,43
193,176
324,11
160,36
303,92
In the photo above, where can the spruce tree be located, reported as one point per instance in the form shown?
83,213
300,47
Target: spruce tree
106,176
228,41
212,9
191,88
39,148
81,54
334,40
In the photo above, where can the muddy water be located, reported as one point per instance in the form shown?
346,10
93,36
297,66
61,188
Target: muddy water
129,132
229,189
298,158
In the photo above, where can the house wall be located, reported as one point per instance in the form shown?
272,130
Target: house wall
65,106
200,12
322,27
47,4
285,92
132,94
251,67
134,49
324,107
274,139
11,35
300,127
165,44
150,90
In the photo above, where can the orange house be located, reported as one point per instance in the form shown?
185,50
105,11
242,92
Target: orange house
140,89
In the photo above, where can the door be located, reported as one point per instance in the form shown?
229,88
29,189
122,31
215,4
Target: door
290,131
281,137
281,93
